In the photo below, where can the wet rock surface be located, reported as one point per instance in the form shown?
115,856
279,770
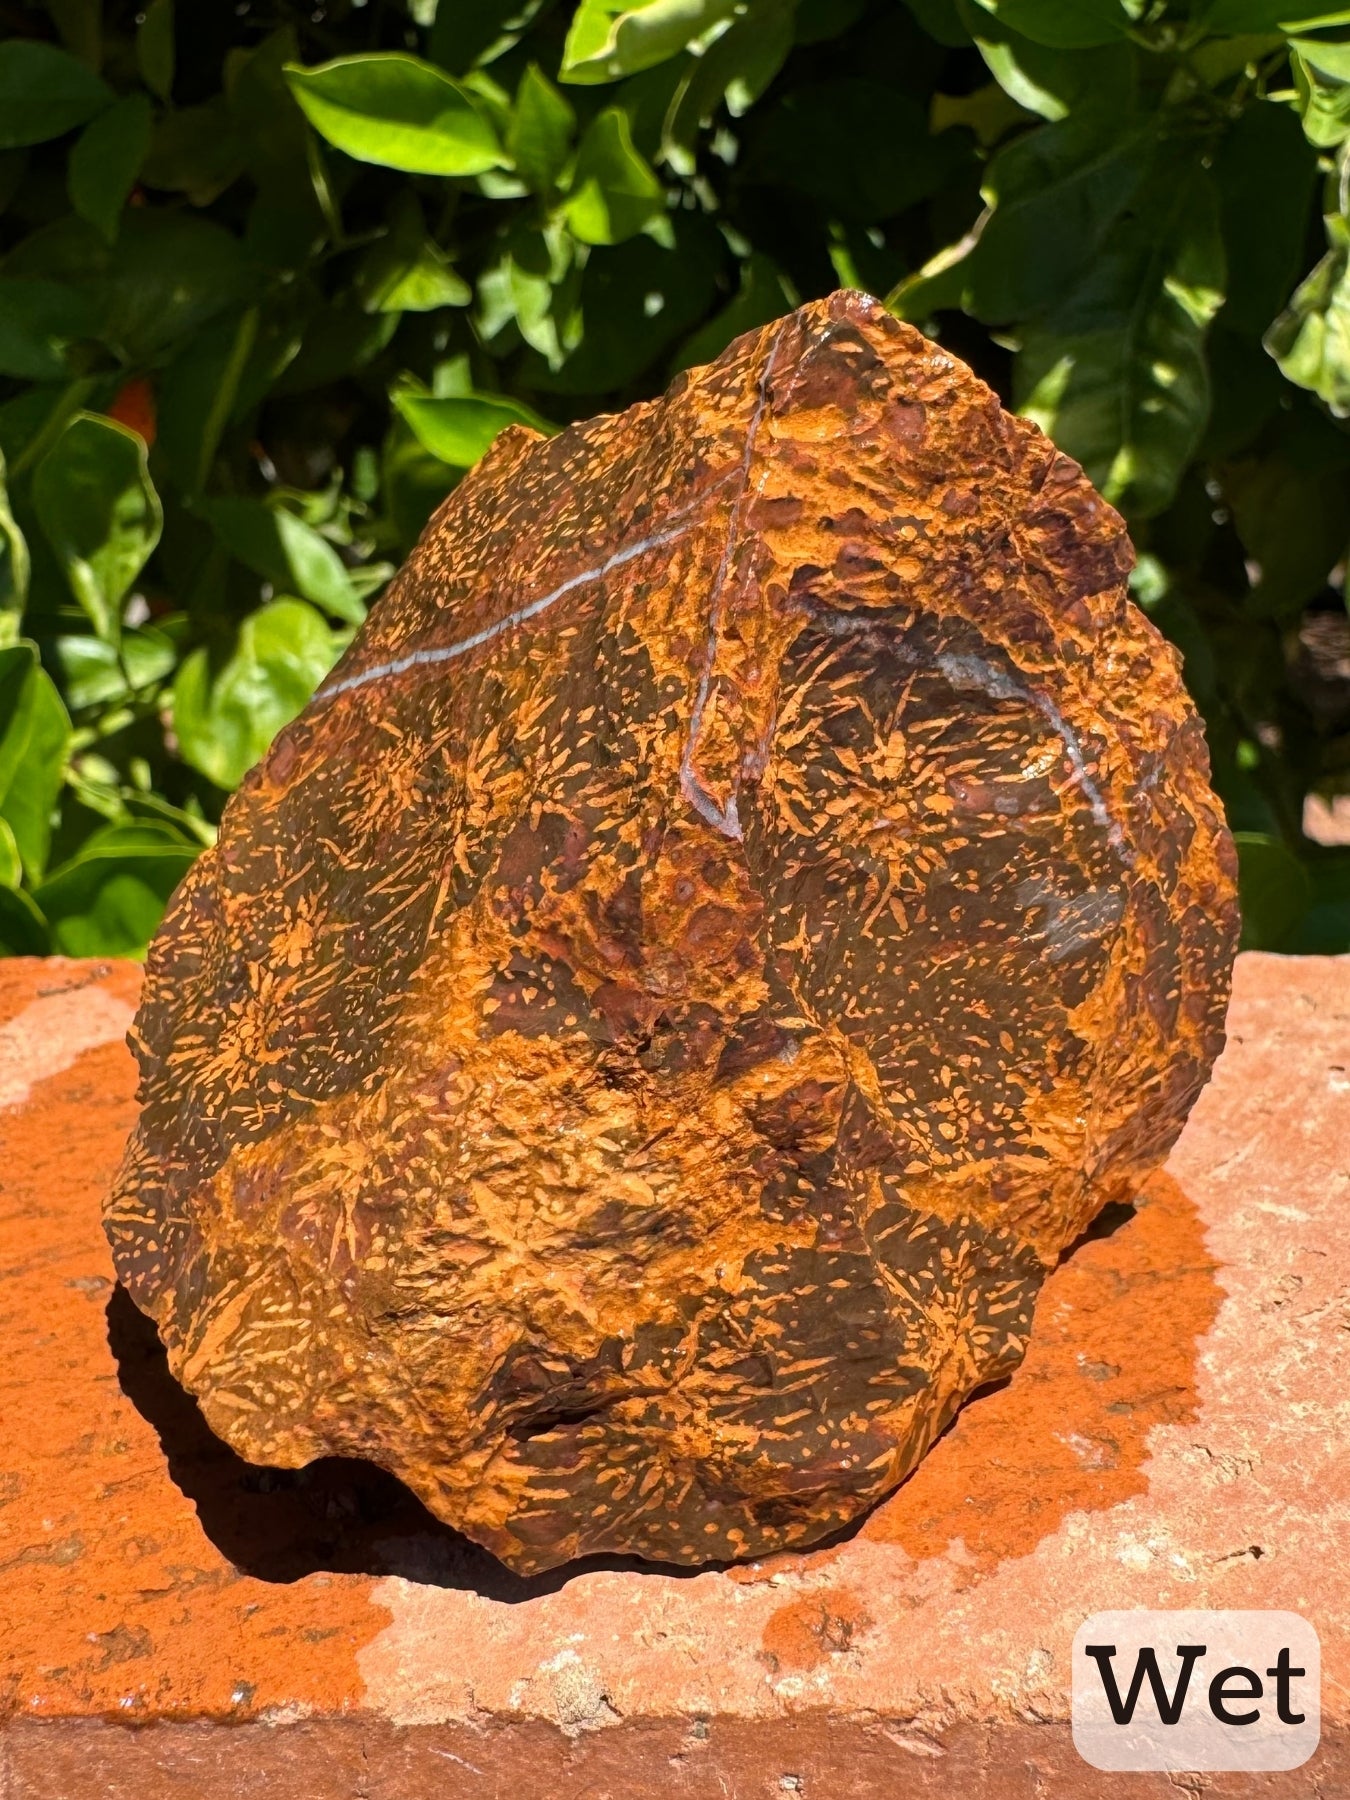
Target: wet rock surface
746,901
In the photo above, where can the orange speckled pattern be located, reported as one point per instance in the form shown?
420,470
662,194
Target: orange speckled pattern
748,898
1175,1437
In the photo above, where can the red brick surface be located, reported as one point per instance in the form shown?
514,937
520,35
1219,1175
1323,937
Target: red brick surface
176,1623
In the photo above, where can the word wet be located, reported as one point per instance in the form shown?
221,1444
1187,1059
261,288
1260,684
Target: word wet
1196,1690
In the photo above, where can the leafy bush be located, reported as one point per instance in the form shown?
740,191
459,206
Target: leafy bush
274,275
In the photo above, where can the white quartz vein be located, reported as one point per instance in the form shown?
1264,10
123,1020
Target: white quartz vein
725,818
443,653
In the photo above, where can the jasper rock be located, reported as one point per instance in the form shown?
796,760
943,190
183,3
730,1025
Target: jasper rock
746,900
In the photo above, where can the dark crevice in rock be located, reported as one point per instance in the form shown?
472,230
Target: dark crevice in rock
1114,1215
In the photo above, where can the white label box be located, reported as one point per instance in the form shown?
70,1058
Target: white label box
1196,1690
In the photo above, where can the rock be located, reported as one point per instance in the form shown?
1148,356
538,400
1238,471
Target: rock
747,899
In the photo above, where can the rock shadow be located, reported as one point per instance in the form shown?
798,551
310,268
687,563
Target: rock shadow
338,1516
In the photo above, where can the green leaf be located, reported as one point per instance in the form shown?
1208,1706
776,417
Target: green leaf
734,70
1324,929
1053,197
1327,56
270,127
81,28
941,284
29,801
540,137
343,338
610,38
1054,82
427,282
1056,194
105,160
97,674
225,721
23,930
469,32
1266,173
34,740
1311,339
413,483
286,552
405,271
224,370
399,112
942,20
14,567
1247,391
988,113
1117,374
1323,103
634,303
109,900
17,664
166,275
38,320
1232,17
460,430
1273,890
155,47
44,92
187,824
99,512
195,150
11,868
534,283
764,295
1290,501
1062,24
885,161
613,192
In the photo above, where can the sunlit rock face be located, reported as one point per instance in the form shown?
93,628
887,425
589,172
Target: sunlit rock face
747,899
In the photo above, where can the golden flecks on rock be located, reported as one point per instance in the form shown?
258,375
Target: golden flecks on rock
747,898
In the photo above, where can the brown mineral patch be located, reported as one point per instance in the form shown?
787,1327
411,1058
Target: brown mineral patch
805,1633
1112,1355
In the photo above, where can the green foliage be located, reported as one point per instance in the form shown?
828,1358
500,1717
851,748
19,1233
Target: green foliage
108,900
34,740
225,719
1063,24
100,514
106,160
13,568
44,92
614,192
399,112
459,428
272,278
285,551
1117,373
608,39
1311,340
